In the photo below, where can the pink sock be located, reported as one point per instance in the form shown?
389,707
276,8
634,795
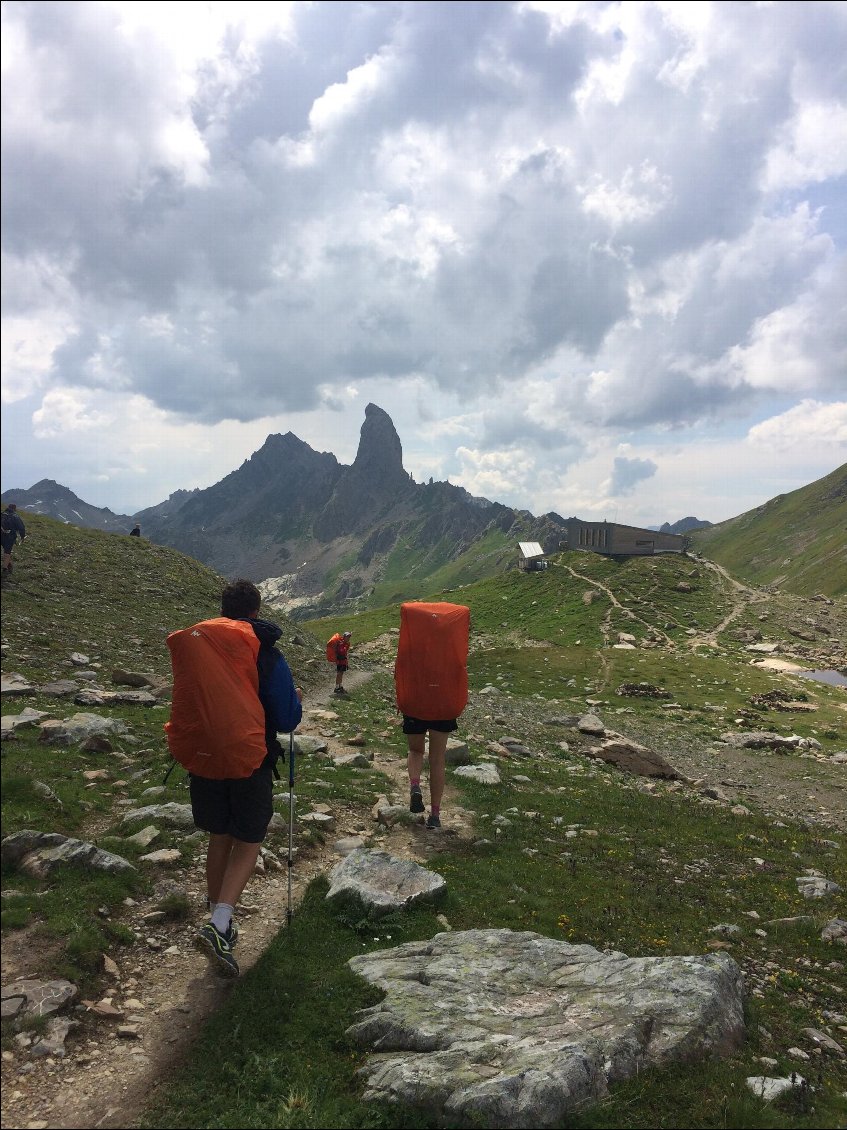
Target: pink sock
414,782
435,809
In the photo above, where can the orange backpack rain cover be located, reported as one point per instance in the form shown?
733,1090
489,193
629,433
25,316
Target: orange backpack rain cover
217,724
431,672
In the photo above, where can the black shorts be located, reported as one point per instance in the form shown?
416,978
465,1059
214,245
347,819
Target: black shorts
9,542
239,807
419,726
341,667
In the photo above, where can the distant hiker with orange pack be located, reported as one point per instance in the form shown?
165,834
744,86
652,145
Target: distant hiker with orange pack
431,679
337,648
233,692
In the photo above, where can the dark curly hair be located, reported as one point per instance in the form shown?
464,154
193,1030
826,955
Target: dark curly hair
240,600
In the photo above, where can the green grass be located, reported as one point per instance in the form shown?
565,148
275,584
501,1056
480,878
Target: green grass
588,854
795,541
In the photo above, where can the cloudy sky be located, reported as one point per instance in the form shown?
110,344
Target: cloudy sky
590,257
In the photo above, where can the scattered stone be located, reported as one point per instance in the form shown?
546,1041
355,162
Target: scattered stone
52,1043
79,727
176,815
835,931
320,820
357,740
41,853
28,718
14,684
634,758
377,883
510,1029
485,774
825,1042
347,844
60,688
591,724
390,814
457,752
816,886
36,998
79,660
770,1089
352,760
726,930
164,857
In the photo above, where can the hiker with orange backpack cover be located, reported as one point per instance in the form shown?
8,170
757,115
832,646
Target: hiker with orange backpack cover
337,648
431,682
233,692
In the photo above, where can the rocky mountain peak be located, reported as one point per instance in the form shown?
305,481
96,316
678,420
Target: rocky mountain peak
380,452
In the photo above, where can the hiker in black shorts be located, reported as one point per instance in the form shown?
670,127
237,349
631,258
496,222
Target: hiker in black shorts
416,730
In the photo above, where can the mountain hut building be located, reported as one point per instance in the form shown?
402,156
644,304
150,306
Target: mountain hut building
532,557
614,539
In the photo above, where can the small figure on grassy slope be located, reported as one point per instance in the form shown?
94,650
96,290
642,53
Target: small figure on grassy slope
12,529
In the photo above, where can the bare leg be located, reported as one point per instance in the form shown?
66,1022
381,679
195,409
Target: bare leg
437,758
229,865
414,761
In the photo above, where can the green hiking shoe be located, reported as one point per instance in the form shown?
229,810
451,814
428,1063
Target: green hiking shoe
218,949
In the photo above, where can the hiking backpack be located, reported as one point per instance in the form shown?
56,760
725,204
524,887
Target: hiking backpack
331,653
6,522
217,723
431,671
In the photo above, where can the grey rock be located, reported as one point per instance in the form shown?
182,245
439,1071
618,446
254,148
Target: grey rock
485,774
27,718
505,1029
79,660
135,679
176,815
390,814
591,724
726,930
39,998
164,857
347,844
377,883
352,760
52,1042
15,684
824,1042
569,720
115,698
816,886
60,688
321,820
457,752
41,853
145,837
763,739
769,1089
80,727
633,758
835,931
303,743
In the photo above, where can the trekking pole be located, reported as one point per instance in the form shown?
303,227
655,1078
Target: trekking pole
288,913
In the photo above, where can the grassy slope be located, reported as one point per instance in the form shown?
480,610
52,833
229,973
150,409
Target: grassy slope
650,876
797,541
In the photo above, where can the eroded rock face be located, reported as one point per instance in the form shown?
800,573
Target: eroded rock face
508,1029
634,758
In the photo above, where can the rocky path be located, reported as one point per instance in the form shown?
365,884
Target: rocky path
164,988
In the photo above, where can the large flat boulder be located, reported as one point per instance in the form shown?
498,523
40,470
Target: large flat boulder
634,758
505,1029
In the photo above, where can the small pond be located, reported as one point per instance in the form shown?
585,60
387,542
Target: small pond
834,678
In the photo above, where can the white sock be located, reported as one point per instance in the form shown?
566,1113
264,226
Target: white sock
222,916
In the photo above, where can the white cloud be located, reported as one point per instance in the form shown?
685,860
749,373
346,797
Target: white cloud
529,231
809,424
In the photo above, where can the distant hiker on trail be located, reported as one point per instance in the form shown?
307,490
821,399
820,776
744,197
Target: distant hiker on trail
135,532
13,528
337,648
233,692
431,679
